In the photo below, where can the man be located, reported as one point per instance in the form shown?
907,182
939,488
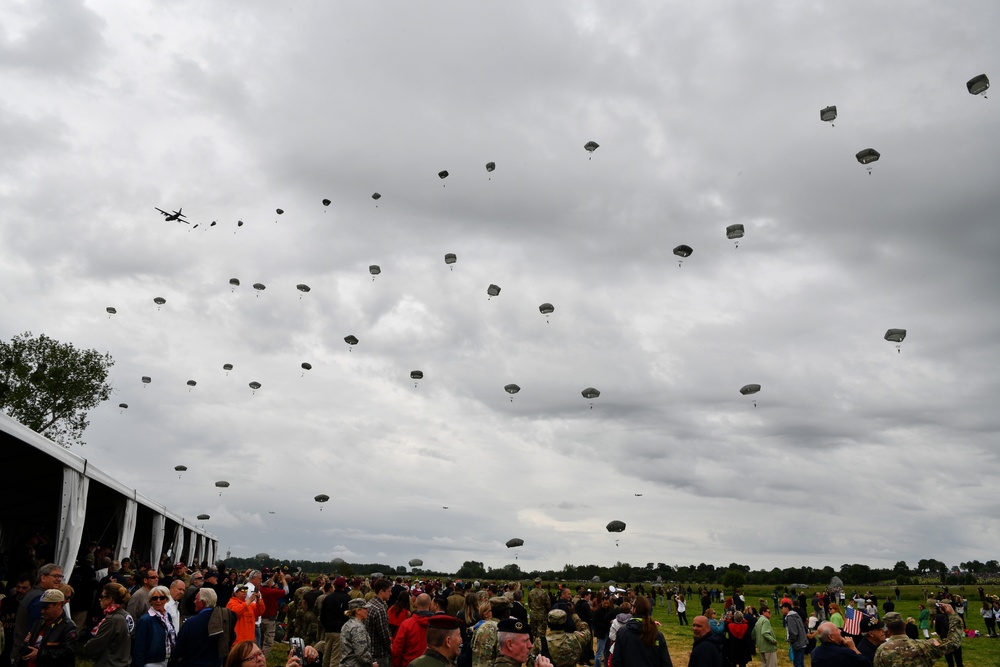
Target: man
888,606
202,643
834,649
795,633
514,639
561,647
586,614
138,604
456,600
310,614
485,646
187,604
899,650
30,610
248,609
8,614
271,591
707,648
377,623
538,606
332,616
253,583
411,638
602,625
172,608
52,641
517,609
763,637
873,636
443,642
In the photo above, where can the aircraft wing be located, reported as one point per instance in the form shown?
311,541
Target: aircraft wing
161,211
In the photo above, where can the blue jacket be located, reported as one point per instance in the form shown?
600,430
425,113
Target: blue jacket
150,641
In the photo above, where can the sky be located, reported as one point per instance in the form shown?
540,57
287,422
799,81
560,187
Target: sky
707,115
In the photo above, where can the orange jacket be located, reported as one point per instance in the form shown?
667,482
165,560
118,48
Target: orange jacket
246,617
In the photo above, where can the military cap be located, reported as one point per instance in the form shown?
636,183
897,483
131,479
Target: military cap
892,616
868,624
557,617
499,601
444,622
515,625
356,603
52,595
538,580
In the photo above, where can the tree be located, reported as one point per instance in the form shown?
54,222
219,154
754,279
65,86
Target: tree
471,569
733,579
49,386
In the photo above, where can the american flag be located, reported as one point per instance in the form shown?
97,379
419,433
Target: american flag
852,621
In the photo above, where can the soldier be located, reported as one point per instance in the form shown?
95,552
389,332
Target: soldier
561,647
485,645
514,637
900,650
456,600
538,607
443,642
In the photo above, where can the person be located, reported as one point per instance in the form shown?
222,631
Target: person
49,576
514,638
603,617
682,618
563,648
8,613
248,654
538,608
190,593
411,638
197,645
872,636
517,608
399,612
910,628
621,618
736,646
901,651
640,643
52,639
835,616
154,634
444,639
484,638
377,623
173,608
989,618
271,592
332,615
355,643
138,604
795,631
585,611
247,609
110,644
835,649
707,648
954,656
764,639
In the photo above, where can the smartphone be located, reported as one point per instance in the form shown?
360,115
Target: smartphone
297,647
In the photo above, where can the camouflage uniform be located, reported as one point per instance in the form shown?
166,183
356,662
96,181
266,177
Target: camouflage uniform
565,648
485,645
538,607
901,651
296,621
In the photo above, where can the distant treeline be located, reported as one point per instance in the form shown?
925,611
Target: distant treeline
734,574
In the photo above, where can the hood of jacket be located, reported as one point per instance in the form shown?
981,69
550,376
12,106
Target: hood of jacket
738,630
623,618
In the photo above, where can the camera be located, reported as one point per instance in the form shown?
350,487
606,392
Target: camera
297,647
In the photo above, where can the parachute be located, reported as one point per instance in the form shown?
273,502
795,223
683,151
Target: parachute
159,301
546,309
192,384
111,310
235,282
351,340
895,336
146,379
978,85
415,376
222,484
828,114
255,386
376,196
490,166
450,258
590,147
596,579
415,562
749,390
123,406
616,526
302,287
260,287
735,233
515,542
326,202
492,291
227,368
203,517
321,498
443,175
867,156
179,470
590,393
374,269
262,556
306,366
682,251
279,211
511,389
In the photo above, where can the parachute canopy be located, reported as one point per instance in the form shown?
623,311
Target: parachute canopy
443,174
222,484
493,290
511,389
828,114
123,406
590,392
260,287
306,366
546,308
616,526
450,258
748,389
191,383
326,202
279,211
255,385
235,282
978,85
895,335
591,146
227,367
374,269
180,468
515,542
683,251
416,375
416,562
868,156
734,231
203,517
262,556
350,340
376,196
146,379
159,301
321,498
490,166
111,310
302,287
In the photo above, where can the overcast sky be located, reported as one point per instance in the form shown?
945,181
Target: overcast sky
707,115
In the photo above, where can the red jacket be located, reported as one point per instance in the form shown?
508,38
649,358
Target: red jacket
411,639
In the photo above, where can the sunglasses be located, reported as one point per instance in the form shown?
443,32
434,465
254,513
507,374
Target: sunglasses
154,598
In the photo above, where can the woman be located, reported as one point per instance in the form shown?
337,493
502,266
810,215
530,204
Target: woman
247,609
398,612
736,646
248,654
639,643
911,628
682,617
469,615
835,616
110,644
355,644
989,618
924,619
154,635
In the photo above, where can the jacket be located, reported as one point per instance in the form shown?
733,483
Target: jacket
150,641
111,645
57,644
630,651
706,652
246,617
411,639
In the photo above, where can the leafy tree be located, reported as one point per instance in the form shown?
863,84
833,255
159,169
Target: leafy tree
471,569
49,386
733,579
901,569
